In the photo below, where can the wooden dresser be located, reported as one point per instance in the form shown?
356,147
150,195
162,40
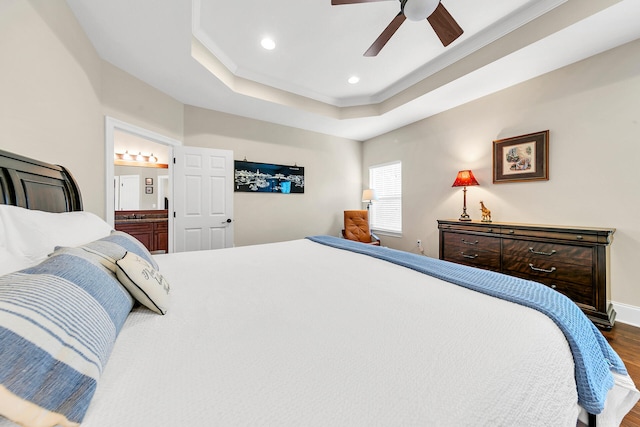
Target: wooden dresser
571,260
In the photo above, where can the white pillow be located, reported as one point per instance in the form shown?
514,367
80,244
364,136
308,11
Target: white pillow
10,262
31,235
144,283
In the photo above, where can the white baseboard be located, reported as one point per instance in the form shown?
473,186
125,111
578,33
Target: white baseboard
625,313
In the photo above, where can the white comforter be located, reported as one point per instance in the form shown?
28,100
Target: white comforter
300,334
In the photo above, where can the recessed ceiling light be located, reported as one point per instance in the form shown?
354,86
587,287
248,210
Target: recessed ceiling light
353,79
268,43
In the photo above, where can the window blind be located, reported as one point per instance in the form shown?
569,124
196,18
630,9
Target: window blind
386,212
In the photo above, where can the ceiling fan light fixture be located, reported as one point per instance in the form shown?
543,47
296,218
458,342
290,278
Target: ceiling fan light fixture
419,10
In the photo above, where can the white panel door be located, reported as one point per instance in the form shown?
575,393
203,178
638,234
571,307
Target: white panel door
203,196
129,192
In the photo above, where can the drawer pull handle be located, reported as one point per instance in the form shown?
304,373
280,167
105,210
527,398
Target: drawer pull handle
469,243
579,237
553,286
553,251
512,231
542,270
469,256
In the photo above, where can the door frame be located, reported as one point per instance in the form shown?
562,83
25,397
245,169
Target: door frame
110,126
163,184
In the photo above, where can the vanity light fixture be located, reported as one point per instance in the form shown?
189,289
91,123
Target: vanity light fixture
125,159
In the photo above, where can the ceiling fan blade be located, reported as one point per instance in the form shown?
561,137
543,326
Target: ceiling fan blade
339,2
446,28
386,35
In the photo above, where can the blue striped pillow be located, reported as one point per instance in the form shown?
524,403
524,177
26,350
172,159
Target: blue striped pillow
58,323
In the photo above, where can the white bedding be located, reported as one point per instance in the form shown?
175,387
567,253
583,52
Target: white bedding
301,334
297,333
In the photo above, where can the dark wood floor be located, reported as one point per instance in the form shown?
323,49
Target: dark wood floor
625,340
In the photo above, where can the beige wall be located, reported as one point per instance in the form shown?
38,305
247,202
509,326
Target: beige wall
130,100
50,92
592,110
332,175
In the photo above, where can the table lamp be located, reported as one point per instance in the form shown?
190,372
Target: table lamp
465,178
368,196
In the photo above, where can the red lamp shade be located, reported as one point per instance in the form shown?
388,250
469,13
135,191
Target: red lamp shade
465,179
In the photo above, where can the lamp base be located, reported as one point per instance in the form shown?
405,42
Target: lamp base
464,216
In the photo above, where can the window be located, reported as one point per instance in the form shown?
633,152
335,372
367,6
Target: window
386,212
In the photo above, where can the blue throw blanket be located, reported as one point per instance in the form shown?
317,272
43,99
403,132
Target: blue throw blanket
593,357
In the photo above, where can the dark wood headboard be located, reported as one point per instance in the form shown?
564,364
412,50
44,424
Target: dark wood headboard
33,184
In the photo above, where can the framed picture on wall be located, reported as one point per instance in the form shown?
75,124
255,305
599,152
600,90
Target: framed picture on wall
148,181
521,158
148,190
268,178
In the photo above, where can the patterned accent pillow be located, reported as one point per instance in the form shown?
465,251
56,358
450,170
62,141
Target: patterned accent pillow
130,244
58,323
146,285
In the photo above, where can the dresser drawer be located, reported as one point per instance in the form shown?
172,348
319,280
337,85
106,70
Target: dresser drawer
473,250
542,252
472,257
581,294
466,228
563,235
471,242
548,269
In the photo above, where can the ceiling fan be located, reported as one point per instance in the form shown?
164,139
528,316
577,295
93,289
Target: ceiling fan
445,27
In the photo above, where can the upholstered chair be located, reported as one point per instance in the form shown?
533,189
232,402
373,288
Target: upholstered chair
356,227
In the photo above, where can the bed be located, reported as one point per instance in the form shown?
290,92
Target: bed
313,332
